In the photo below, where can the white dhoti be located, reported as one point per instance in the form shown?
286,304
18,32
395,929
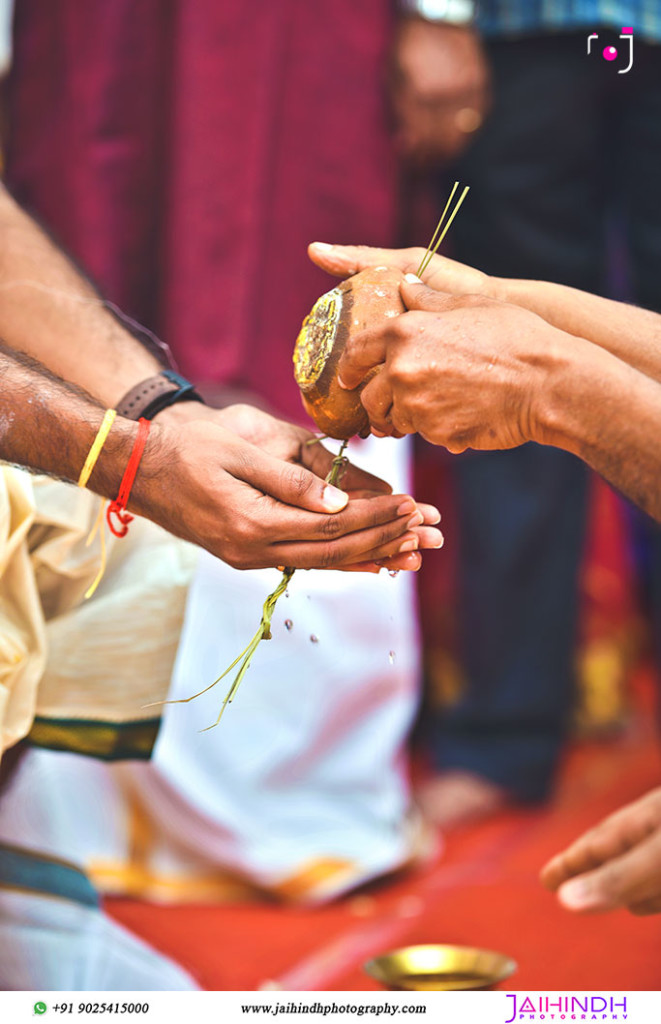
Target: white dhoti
302,790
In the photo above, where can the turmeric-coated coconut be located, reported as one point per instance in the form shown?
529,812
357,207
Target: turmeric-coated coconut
360,301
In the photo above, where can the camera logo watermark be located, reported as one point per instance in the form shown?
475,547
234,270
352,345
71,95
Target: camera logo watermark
610,53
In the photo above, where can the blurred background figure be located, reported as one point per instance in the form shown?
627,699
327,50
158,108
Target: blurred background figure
186,155
567,163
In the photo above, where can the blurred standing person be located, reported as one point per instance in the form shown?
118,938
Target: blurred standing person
572,137
185,152
194,148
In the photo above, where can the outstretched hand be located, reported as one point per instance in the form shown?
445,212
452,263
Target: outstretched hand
616,864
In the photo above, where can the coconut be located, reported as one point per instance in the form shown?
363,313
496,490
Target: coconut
357,303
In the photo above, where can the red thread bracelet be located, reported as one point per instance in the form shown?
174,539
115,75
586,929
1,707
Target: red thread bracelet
118,506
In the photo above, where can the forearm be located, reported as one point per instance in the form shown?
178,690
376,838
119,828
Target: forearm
49,311
49,426
609,414
630,333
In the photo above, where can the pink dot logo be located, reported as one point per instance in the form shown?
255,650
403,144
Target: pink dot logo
610,53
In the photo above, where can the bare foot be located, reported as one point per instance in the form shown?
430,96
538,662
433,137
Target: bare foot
458,797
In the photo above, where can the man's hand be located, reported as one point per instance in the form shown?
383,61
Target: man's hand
442,274
616,864
462,372
253,509
440,89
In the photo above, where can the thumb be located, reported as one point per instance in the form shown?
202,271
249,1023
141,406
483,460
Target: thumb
416,295
292,484
345,260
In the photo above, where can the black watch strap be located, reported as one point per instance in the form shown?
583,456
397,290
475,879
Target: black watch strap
151,396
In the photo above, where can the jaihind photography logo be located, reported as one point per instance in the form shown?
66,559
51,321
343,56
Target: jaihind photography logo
610,53
558,1007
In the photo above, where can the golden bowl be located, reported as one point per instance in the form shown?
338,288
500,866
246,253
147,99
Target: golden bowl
440,968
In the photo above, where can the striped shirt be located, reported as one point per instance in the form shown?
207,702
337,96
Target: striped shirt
514,17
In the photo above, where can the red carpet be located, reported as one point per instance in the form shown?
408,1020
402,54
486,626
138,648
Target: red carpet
482,891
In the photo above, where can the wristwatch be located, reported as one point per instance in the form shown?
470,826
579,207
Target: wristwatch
447,12
151,396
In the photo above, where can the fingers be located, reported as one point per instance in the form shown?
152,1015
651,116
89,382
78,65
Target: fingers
441,273
344,260
633,878
319,460
367,545
377,399
430,514
279,523
416,295
375,543
372,346
408,562
287,483
609,839
362,353
646,907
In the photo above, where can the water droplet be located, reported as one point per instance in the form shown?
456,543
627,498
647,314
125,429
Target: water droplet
391,656
314,639
380,292
287,593
356,323
289,625
393,572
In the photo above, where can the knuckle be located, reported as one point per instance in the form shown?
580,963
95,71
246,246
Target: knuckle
400,370
328,556
353,359
612,882
330,527
590,846
243,532
387,534
416,254
469,301
400,327
296,482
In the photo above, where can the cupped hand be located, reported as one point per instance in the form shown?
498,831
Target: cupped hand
616,864
295,444
254,509
442,274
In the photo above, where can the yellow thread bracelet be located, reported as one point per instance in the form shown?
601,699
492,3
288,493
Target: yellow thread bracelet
95,450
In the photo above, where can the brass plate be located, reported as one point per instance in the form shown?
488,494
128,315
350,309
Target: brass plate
440,968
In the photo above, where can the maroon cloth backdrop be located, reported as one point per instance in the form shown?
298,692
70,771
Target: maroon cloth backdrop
186,151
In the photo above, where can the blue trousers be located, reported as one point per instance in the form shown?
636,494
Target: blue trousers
569,149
